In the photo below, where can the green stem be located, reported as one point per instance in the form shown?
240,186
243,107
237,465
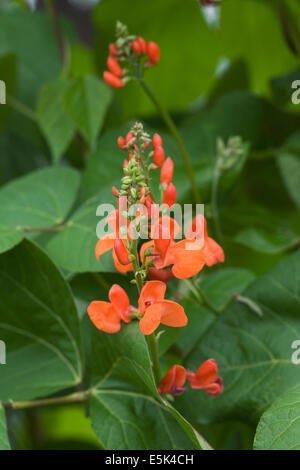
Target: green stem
151,338
21,108
73,398
155,358
214,202
56,228
52,11
172,128
200,295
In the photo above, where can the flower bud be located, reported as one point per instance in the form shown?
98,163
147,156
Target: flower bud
115,191
113,80
167,170
170,195
142,44
114,66
121,252
121,142
163,275
156,140
129,136
153,52
158,156
135,45
113,50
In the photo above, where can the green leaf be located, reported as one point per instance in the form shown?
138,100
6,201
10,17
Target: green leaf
9,237
56,125
220,285
279,426
267,242
86,102
35,48
74,247
39,325
126,409
40,199
254,353
4,443
288,159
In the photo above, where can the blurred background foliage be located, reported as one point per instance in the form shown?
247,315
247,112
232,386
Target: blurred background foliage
224,71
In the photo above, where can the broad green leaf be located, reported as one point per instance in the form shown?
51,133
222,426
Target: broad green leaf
126,409
18,156
56,125
35,48
39,325
220,285
86,102
40,199
279,426
254,353
288,159
9,237
74,247
267,242
4,443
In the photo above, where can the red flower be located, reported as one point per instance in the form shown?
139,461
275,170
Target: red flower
158,155
107,316
113,80
156,140
167,170
153,52
207,378
173,381
191,254
107,242
114,66
170,195
155,310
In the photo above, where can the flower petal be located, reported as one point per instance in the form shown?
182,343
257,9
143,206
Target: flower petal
205,375
152,291
174,379
186,262
119,299
216,388
151,319
104,316
105,244
172,314
121,267
213,253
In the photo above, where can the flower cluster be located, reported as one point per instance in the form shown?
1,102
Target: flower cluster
133,53
143,238
205,378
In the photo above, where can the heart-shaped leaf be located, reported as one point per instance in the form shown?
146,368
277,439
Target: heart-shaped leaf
38,324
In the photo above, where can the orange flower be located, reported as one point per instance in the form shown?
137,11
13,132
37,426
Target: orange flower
162,234
189,256
107,243
156,310
173,381
207,378
107,316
